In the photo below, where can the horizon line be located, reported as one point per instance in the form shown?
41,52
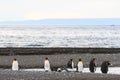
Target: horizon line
54,18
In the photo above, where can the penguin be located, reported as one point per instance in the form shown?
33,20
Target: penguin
104,66
80,66
59,70
15,65
92,65
47,65
70,64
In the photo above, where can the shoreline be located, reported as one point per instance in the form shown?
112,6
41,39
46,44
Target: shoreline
56,50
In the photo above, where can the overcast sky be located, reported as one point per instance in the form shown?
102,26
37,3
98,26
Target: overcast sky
45,9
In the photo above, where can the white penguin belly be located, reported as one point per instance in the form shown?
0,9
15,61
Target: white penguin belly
15,65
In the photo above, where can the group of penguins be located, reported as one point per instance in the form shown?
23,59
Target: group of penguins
70,65
92,65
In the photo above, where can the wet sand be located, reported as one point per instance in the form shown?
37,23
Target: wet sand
55,50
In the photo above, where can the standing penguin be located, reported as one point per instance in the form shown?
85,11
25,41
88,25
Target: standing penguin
70,64
92,65
80,66
15,65
104,66
47,65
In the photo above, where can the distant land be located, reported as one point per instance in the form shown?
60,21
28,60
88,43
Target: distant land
83,21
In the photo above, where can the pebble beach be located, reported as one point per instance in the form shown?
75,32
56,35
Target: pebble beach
26,75
56,60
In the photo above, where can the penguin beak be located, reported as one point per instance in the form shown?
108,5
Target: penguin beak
110,64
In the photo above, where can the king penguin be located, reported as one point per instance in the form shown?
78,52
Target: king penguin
104,66
92,65
70,64
47,65
80,66
15,64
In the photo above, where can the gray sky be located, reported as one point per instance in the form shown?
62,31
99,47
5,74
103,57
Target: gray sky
44,9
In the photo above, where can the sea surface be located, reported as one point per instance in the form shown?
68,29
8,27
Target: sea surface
59,36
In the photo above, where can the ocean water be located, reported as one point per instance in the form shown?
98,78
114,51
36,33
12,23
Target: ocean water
59,36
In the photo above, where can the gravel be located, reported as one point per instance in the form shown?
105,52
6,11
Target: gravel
26,75
56,60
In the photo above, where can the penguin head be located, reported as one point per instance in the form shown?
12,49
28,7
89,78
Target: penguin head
80,59
46,58
94,59
71,59
14,59
108,62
